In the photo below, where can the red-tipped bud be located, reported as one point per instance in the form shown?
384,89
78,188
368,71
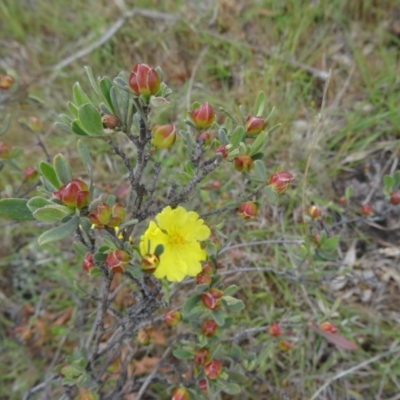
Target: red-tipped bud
205,137
110,121
4,151
118,214
280,181
201,356
30,173
164,136
180,393
172,318
212,299
203,116
315,238
202,385
284,345
88,263
342,201
74,194
243,163
222,150
117,261
248,210
395,197
275,330
254,125
314,212
366,210
213,369
144,80
209,327
208,268
100,216
149,263
144,336
202,278
328,327
6,81
35,124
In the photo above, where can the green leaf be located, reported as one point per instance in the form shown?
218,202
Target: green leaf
229,387
52,213
396,182
93,82
77,129
90,120
49,173
259,143
237,377
38,202
260,169
183,354
120,101
237,136
223,138
105,85
15,209
259,105
16,152
59,232
388,181
73,109
218,317
5,125
330,243
85,157
62,169
233,304
190,303
232,118
79,95
230,290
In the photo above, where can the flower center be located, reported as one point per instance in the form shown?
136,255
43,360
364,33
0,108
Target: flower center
176,239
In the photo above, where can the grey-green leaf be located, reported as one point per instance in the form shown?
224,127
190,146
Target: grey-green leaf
59,232
90,120
259,106
5,125
49,173
62,169
79,95
15,209
38,202
52,213
85,157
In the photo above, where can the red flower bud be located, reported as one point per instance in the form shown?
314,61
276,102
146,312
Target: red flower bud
212,299
201,356
164,136
144,80
342,201
74,194
248,210
88,263
205,137
213,369
118,214
172,318
280,181
222,150
180,393
202,278
110,121
149,263
328,327
314,212
209,327
275,330
30,173
202,385
203,116
4,151
315,238
284,345
395,197
144,336
243,163
208,268
35,124
117,260
366,210
254,125
100,216
6,81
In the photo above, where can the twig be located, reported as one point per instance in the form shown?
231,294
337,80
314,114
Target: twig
40,386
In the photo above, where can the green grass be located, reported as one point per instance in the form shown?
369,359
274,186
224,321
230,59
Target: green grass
241,52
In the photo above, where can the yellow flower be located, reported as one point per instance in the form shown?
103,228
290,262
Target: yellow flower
179,232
